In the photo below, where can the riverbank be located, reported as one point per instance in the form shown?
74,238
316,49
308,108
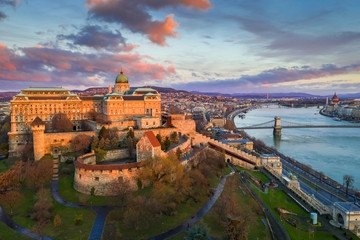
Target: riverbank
319,154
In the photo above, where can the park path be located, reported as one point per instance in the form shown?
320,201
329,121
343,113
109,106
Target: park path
101,211
16,227
185,225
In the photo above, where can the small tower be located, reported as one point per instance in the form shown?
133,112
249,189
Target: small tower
277,127
38,129
121,83
110,90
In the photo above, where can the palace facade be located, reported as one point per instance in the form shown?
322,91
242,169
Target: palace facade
122,107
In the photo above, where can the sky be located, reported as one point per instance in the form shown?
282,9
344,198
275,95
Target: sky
232,46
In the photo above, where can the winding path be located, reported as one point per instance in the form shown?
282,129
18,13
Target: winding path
185,225
102,212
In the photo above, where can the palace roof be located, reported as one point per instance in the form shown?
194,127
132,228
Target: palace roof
153,140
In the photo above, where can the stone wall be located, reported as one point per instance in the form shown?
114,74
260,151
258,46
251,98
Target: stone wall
116,154
187,126
104,178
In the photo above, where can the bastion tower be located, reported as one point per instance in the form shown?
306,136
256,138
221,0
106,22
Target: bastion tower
38,129
121,83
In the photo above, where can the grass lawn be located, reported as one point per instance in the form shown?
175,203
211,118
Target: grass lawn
245,203
179,236
67,229
259,175
278,198
8,233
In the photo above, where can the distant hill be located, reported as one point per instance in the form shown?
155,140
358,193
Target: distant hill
259,95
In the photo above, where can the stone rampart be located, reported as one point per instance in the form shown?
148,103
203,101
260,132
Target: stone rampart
116,154
105,179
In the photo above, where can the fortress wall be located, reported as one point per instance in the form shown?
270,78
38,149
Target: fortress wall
187,126
106,179
60,139
116,154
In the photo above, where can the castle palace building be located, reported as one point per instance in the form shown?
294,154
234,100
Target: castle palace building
122,107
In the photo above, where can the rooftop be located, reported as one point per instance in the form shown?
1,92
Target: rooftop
153,140
45,89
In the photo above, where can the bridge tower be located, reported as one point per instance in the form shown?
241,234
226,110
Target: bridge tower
277,127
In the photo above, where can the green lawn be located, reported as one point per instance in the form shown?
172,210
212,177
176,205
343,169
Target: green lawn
67,230
245,203
179,236
8,233
259,175
277,198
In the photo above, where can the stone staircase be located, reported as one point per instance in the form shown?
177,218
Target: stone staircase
55,176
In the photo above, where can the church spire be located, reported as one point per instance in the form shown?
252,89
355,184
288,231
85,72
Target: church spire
110,90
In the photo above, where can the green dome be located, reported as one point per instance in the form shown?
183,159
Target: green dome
121,78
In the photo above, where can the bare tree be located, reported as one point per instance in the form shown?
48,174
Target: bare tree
348,182
61,122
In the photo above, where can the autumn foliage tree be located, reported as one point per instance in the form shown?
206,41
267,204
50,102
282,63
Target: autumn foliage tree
81,143
60,122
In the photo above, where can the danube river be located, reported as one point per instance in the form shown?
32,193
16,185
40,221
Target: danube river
334,151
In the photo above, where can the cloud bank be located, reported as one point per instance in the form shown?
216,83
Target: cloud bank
134,15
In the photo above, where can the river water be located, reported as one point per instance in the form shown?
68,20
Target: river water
334,151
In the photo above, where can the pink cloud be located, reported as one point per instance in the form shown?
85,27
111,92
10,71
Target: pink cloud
134,15
160,30
61,66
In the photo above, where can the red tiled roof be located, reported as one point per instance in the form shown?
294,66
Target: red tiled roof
153,140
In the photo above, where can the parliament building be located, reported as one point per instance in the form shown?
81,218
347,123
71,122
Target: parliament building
122,107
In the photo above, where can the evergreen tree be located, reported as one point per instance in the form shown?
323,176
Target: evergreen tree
167,143
158,137
198,232
102,132
95,142
102,143
107,143
114,142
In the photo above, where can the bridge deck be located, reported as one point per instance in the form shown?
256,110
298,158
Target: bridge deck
305,126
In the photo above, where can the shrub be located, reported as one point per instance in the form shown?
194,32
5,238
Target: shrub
78,219
57,220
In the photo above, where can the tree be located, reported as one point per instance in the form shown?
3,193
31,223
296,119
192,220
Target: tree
95,142
130,133
37,173
174,137
236,229
102,132
198,232
11,198
158,137
167,143
81,143
42,210
102,143
348,182
178,153
107,144
57,220
114,142
61,123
